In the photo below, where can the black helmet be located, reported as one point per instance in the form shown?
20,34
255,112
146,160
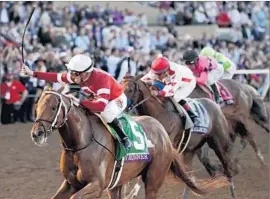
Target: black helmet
190,56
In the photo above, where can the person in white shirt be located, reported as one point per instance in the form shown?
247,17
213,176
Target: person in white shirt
112,61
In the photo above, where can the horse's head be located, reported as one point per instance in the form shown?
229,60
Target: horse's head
51,113
135,90
138,92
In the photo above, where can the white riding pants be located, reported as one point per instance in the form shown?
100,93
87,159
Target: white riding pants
215,75
114,108
185,90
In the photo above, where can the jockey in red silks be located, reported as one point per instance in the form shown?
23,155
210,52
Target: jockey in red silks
177,80
206,70
110,100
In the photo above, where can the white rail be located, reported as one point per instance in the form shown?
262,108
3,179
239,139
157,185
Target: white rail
257,71
265,85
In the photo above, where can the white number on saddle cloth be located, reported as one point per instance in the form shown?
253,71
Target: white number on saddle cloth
138,145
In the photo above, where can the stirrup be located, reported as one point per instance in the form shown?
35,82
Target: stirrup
127,143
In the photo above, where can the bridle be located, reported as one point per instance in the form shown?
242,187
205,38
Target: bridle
130,101
53,123
137,87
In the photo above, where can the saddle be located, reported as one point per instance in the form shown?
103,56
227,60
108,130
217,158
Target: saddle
224,92
183,114
201,126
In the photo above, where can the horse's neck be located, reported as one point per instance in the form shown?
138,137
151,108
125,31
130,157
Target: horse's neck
166,117
76,132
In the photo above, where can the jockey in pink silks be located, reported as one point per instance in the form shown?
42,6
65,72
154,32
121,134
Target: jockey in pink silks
207,71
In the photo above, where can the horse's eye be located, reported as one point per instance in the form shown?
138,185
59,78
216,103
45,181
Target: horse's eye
54,108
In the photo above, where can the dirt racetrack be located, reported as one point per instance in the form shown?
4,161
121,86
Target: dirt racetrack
31,172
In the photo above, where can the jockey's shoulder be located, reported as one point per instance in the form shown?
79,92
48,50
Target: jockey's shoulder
204,61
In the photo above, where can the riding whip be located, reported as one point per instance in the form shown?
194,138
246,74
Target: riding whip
25,30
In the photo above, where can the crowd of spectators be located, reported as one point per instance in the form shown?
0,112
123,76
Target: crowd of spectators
109,35
223,13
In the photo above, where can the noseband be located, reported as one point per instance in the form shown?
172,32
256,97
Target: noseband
53,123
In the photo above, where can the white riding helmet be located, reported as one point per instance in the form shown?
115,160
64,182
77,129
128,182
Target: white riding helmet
80,63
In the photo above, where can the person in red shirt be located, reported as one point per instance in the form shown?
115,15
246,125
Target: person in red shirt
110,100
13,94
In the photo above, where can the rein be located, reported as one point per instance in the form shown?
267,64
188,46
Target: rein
65,118
137,87
54,122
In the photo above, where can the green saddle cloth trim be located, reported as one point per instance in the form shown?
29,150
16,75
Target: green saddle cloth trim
137,136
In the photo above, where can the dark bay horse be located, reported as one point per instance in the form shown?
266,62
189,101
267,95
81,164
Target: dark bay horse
88,151
217,136
247,111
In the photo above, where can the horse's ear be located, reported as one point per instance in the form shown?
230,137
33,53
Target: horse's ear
47,88
60,90
138,77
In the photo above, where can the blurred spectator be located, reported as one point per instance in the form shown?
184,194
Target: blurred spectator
110,35
112,61
13,95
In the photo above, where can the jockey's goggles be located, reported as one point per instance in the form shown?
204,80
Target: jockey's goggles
75,73
190,62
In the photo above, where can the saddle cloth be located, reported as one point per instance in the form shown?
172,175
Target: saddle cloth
203,124
136,134
224,92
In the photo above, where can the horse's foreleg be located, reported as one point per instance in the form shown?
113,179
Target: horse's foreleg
202,154
250,139
117,192
134,192
188,157
65,191
243,144
223,155
89,191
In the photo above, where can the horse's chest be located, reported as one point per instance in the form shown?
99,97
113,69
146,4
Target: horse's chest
78,172
71,170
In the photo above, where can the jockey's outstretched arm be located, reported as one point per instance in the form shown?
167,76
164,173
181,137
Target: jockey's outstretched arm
47,76
97,105
54,77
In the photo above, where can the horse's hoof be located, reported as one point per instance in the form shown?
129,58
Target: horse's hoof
264,166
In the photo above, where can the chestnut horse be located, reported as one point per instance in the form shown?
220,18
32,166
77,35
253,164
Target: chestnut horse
88,151
217,136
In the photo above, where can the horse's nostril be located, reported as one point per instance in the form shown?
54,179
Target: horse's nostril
39,133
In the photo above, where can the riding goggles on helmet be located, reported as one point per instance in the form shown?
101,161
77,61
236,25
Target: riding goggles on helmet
190,62
77,73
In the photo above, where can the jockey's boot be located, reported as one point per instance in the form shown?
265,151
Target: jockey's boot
119,130
216,93
194,117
